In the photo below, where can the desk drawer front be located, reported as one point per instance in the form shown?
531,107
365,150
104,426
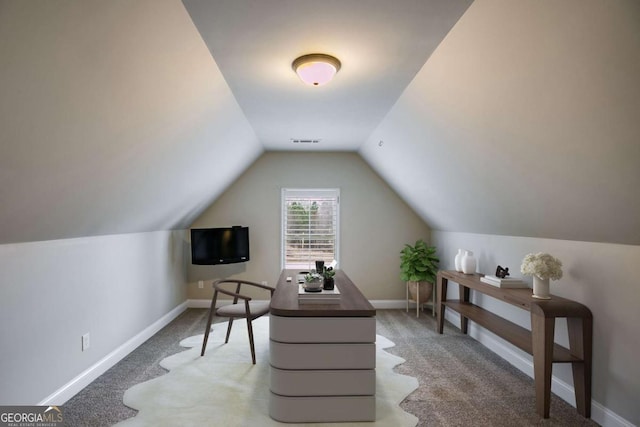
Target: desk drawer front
322,409
323,383
322,356
322,329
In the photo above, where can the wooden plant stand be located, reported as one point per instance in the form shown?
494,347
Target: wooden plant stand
431,301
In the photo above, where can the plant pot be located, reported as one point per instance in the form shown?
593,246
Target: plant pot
541,288
313,285
426,289
329,284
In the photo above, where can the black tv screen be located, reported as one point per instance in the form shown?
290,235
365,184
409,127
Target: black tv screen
211,246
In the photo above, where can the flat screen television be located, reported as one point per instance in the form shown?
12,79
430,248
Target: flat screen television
210,246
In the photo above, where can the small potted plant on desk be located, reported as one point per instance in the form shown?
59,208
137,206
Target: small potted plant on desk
313,282
329,281
418,268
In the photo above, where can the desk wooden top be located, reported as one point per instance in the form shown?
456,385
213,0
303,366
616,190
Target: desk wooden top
284,301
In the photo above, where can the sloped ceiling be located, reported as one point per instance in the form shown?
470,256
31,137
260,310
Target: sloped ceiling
381,44
114,118
526,122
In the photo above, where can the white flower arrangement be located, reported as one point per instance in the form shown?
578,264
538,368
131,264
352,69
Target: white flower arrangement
542,265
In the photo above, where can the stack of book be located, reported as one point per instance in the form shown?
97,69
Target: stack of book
323,297
507,282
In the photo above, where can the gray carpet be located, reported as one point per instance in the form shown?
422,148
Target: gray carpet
461,382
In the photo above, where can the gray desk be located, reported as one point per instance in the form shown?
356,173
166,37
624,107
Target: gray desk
322,355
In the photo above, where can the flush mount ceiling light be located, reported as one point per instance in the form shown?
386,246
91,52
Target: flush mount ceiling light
316,69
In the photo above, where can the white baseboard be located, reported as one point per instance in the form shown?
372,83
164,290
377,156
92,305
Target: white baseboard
388,304
206,303
378,304
200,303
566,392
66,392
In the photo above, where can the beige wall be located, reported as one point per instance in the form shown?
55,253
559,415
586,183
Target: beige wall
51,293
375,222
523,122
114,118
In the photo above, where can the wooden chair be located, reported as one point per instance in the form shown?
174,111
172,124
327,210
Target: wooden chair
249,309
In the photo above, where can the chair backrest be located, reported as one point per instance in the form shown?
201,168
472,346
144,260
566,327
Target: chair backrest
218,287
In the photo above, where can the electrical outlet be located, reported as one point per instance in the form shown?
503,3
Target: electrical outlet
201,284
85,342
264,282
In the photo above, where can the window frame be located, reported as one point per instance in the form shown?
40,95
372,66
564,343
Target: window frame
286,192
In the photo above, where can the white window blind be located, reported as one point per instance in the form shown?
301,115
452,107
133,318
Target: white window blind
310,224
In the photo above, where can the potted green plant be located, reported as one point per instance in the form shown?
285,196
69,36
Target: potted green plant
419,267
329,281
313,281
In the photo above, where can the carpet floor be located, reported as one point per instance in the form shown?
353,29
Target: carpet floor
461,383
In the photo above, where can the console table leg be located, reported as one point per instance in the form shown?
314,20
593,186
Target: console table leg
441,296
542,329
464,296
434,294
580,330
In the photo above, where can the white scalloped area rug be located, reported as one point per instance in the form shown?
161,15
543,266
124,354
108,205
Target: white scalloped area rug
224,388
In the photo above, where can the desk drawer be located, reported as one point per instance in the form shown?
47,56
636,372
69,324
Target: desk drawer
322,409
323,383
322,356
322,329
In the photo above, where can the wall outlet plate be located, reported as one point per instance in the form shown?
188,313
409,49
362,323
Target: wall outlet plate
200,284
85,342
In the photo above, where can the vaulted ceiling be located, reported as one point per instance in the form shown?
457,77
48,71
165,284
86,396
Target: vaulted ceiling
381,44
494,117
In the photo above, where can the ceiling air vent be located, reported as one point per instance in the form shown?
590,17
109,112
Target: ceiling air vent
305,141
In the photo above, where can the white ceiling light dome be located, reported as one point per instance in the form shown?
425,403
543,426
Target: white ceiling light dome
316,69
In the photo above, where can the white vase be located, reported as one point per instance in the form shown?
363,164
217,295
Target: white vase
468,263
541,288
458,260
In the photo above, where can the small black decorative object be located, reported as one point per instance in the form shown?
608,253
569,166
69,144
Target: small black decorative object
502,272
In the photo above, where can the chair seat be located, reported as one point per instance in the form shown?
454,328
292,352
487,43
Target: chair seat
258,308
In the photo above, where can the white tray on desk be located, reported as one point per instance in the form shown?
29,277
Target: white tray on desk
323,297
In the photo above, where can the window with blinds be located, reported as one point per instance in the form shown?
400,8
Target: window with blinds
310,224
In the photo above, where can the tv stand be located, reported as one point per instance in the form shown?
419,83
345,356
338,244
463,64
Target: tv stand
538,342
